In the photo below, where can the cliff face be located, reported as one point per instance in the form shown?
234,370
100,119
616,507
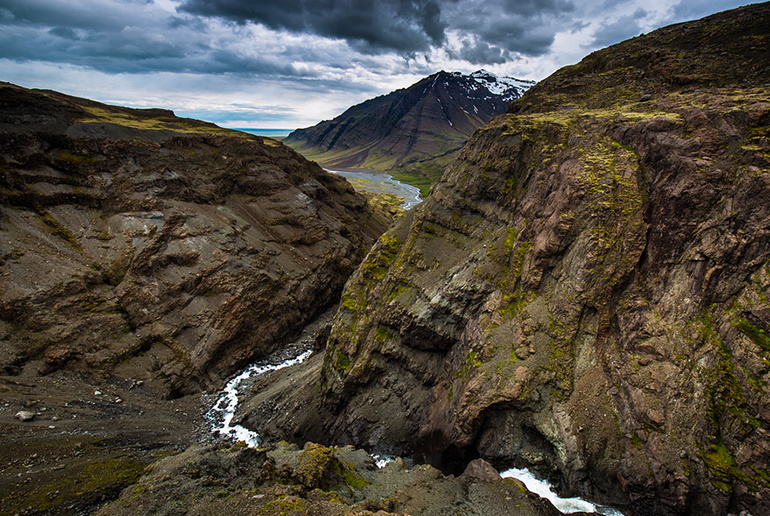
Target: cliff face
146,246
417,130
585,289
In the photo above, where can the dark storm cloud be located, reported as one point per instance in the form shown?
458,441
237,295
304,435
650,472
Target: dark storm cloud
481,53
525,27
130,51
499,27
121,39
311,37
137,36
399,25
57,13
619,30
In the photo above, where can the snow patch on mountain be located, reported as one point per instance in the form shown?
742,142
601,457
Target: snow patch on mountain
508,87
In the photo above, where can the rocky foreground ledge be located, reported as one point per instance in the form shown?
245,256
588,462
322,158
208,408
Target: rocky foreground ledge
321,481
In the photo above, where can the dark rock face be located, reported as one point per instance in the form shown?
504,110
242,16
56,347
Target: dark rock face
586,288
142,245
319,481
418,129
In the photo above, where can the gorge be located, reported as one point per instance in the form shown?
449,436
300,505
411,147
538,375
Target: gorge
584,292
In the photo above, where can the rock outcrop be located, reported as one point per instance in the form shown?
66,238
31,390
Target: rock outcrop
319,481
415,131
586,289
138,244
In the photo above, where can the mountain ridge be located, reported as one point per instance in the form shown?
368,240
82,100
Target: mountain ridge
413,131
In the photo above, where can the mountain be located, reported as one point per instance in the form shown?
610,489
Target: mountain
585,291
162,237
143,258
415,131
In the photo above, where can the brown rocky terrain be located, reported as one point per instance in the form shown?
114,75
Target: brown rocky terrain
585,291
149,247
318,481
143,259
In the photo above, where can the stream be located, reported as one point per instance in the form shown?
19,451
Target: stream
566,505
377,182
221,414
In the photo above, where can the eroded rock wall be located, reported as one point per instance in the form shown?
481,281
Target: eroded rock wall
585,290
161,249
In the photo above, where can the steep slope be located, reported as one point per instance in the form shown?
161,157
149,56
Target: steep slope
150,247
586,288
416,130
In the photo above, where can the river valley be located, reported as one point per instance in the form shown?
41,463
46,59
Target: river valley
377,182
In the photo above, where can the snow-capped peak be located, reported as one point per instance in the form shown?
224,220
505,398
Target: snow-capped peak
509,87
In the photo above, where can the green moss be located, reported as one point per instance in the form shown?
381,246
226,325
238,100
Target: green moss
144,120
513,303
60,230
377,263
352,477
519,486
319,467
726,401
343,361
384,333
723,470
66,155
349,303
471,362
285,506
756,334
91,481
401,289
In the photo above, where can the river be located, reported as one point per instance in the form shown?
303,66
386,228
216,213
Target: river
377,182
221,414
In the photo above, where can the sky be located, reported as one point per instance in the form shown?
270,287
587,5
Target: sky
292,63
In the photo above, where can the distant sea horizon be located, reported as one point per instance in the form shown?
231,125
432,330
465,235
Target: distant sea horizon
270,133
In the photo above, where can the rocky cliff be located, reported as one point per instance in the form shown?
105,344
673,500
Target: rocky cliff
415,131
165,250
585,291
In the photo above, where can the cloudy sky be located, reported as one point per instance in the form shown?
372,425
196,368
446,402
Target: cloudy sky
293,63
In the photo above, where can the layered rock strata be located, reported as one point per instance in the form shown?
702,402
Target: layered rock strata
585,290
138,244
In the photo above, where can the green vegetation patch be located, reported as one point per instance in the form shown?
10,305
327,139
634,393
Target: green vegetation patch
343,361
87,483
147,120
319,467
726,400
472,361
60,230
377,263
756,334
67,156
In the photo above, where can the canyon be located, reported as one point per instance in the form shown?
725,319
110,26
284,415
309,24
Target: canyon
583,293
